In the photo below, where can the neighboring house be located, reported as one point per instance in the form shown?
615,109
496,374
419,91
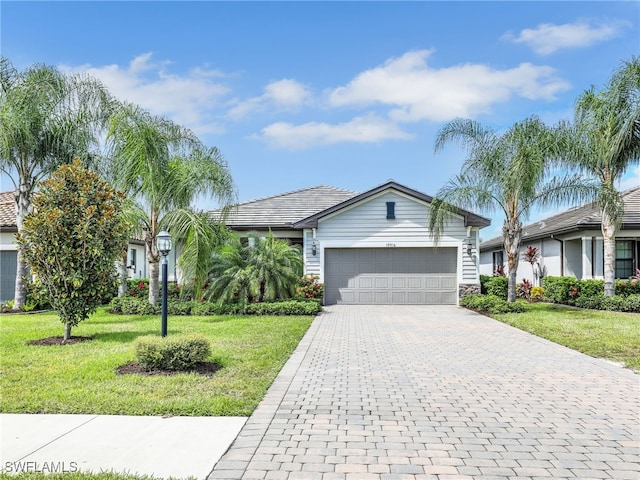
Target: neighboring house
136,258
570,243
374,247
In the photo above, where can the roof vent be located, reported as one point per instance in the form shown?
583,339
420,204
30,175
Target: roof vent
391,210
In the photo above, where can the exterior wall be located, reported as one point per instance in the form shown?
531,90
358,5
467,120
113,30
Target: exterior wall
364,225
7,241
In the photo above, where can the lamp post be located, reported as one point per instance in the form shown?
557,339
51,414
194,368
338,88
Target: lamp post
164,244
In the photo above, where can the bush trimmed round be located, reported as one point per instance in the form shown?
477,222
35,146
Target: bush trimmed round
176,352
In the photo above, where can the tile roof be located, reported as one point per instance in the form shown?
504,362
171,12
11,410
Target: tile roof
578,218
282,211
7,209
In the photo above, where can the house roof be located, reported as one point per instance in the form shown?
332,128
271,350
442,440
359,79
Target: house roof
471,219
584,217
7,210
282,211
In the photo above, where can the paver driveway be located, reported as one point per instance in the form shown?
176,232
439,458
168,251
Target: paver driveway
413,392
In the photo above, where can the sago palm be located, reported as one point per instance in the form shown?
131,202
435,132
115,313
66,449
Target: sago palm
509,172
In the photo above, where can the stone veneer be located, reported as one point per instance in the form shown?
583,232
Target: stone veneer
467,288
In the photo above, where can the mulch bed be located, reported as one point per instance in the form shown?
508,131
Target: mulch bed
59,341
207,369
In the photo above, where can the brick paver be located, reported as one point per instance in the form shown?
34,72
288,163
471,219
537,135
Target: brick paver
412,392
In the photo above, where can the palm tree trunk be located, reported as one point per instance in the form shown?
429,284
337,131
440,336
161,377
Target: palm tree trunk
23,202
609,241
512,231
154,283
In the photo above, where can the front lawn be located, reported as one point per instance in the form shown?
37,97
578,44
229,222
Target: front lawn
81,378
610,335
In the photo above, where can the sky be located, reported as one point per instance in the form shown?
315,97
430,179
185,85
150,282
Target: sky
348,94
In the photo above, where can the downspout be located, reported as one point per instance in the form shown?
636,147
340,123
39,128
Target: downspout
561,254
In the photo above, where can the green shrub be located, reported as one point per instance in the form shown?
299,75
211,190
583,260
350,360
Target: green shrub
613,303
627,287
132,306
498,286
177,352
490,304
632,303
593,302
483,283
179,308
590,287
289,307
561,289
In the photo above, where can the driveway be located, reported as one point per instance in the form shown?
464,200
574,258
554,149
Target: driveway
412,392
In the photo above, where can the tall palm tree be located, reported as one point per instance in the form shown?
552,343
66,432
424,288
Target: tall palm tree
166,168
508,172
47,118
603,142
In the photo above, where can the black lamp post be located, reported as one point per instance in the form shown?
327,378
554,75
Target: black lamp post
164,244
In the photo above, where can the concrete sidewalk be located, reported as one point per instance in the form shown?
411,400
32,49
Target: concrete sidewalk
174,446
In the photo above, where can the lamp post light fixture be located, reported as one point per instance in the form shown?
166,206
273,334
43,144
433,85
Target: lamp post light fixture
164,244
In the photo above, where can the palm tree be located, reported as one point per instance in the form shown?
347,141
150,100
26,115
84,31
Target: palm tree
199,235
508,172
603,142
165,167
265,269
47,118
277,266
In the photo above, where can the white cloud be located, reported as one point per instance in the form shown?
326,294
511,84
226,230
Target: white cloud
422,93
282,94
547,38
366,129
188,99
632,179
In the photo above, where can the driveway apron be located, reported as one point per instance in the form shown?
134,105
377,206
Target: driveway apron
437,392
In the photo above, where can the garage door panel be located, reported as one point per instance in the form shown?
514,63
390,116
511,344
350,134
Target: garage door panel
391,276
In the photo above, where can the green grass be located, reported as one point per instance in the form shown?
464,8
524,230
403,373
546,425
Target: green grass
610,335
81,378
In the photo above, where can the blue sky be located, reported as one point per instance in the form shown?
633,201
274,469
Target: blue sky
349,94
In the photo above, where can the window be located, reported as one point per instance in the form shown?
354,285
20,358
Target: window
391,210
498,261
624,258
132,259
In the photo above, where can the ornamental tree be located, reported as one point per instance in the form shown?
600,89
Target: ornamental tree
72,239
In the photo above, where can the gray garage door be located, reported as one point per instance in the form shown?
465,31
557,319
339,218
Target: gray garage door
391,276
8,263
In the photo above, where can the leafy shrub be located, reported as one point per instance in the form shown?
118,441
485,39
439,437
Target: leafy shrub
179,308
290,307
310,288
594,302
560,289
627,287
139,288
537,293
490,304
523,290
614,303
498,286
483,283
590,287
177,352
132,306
632,303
